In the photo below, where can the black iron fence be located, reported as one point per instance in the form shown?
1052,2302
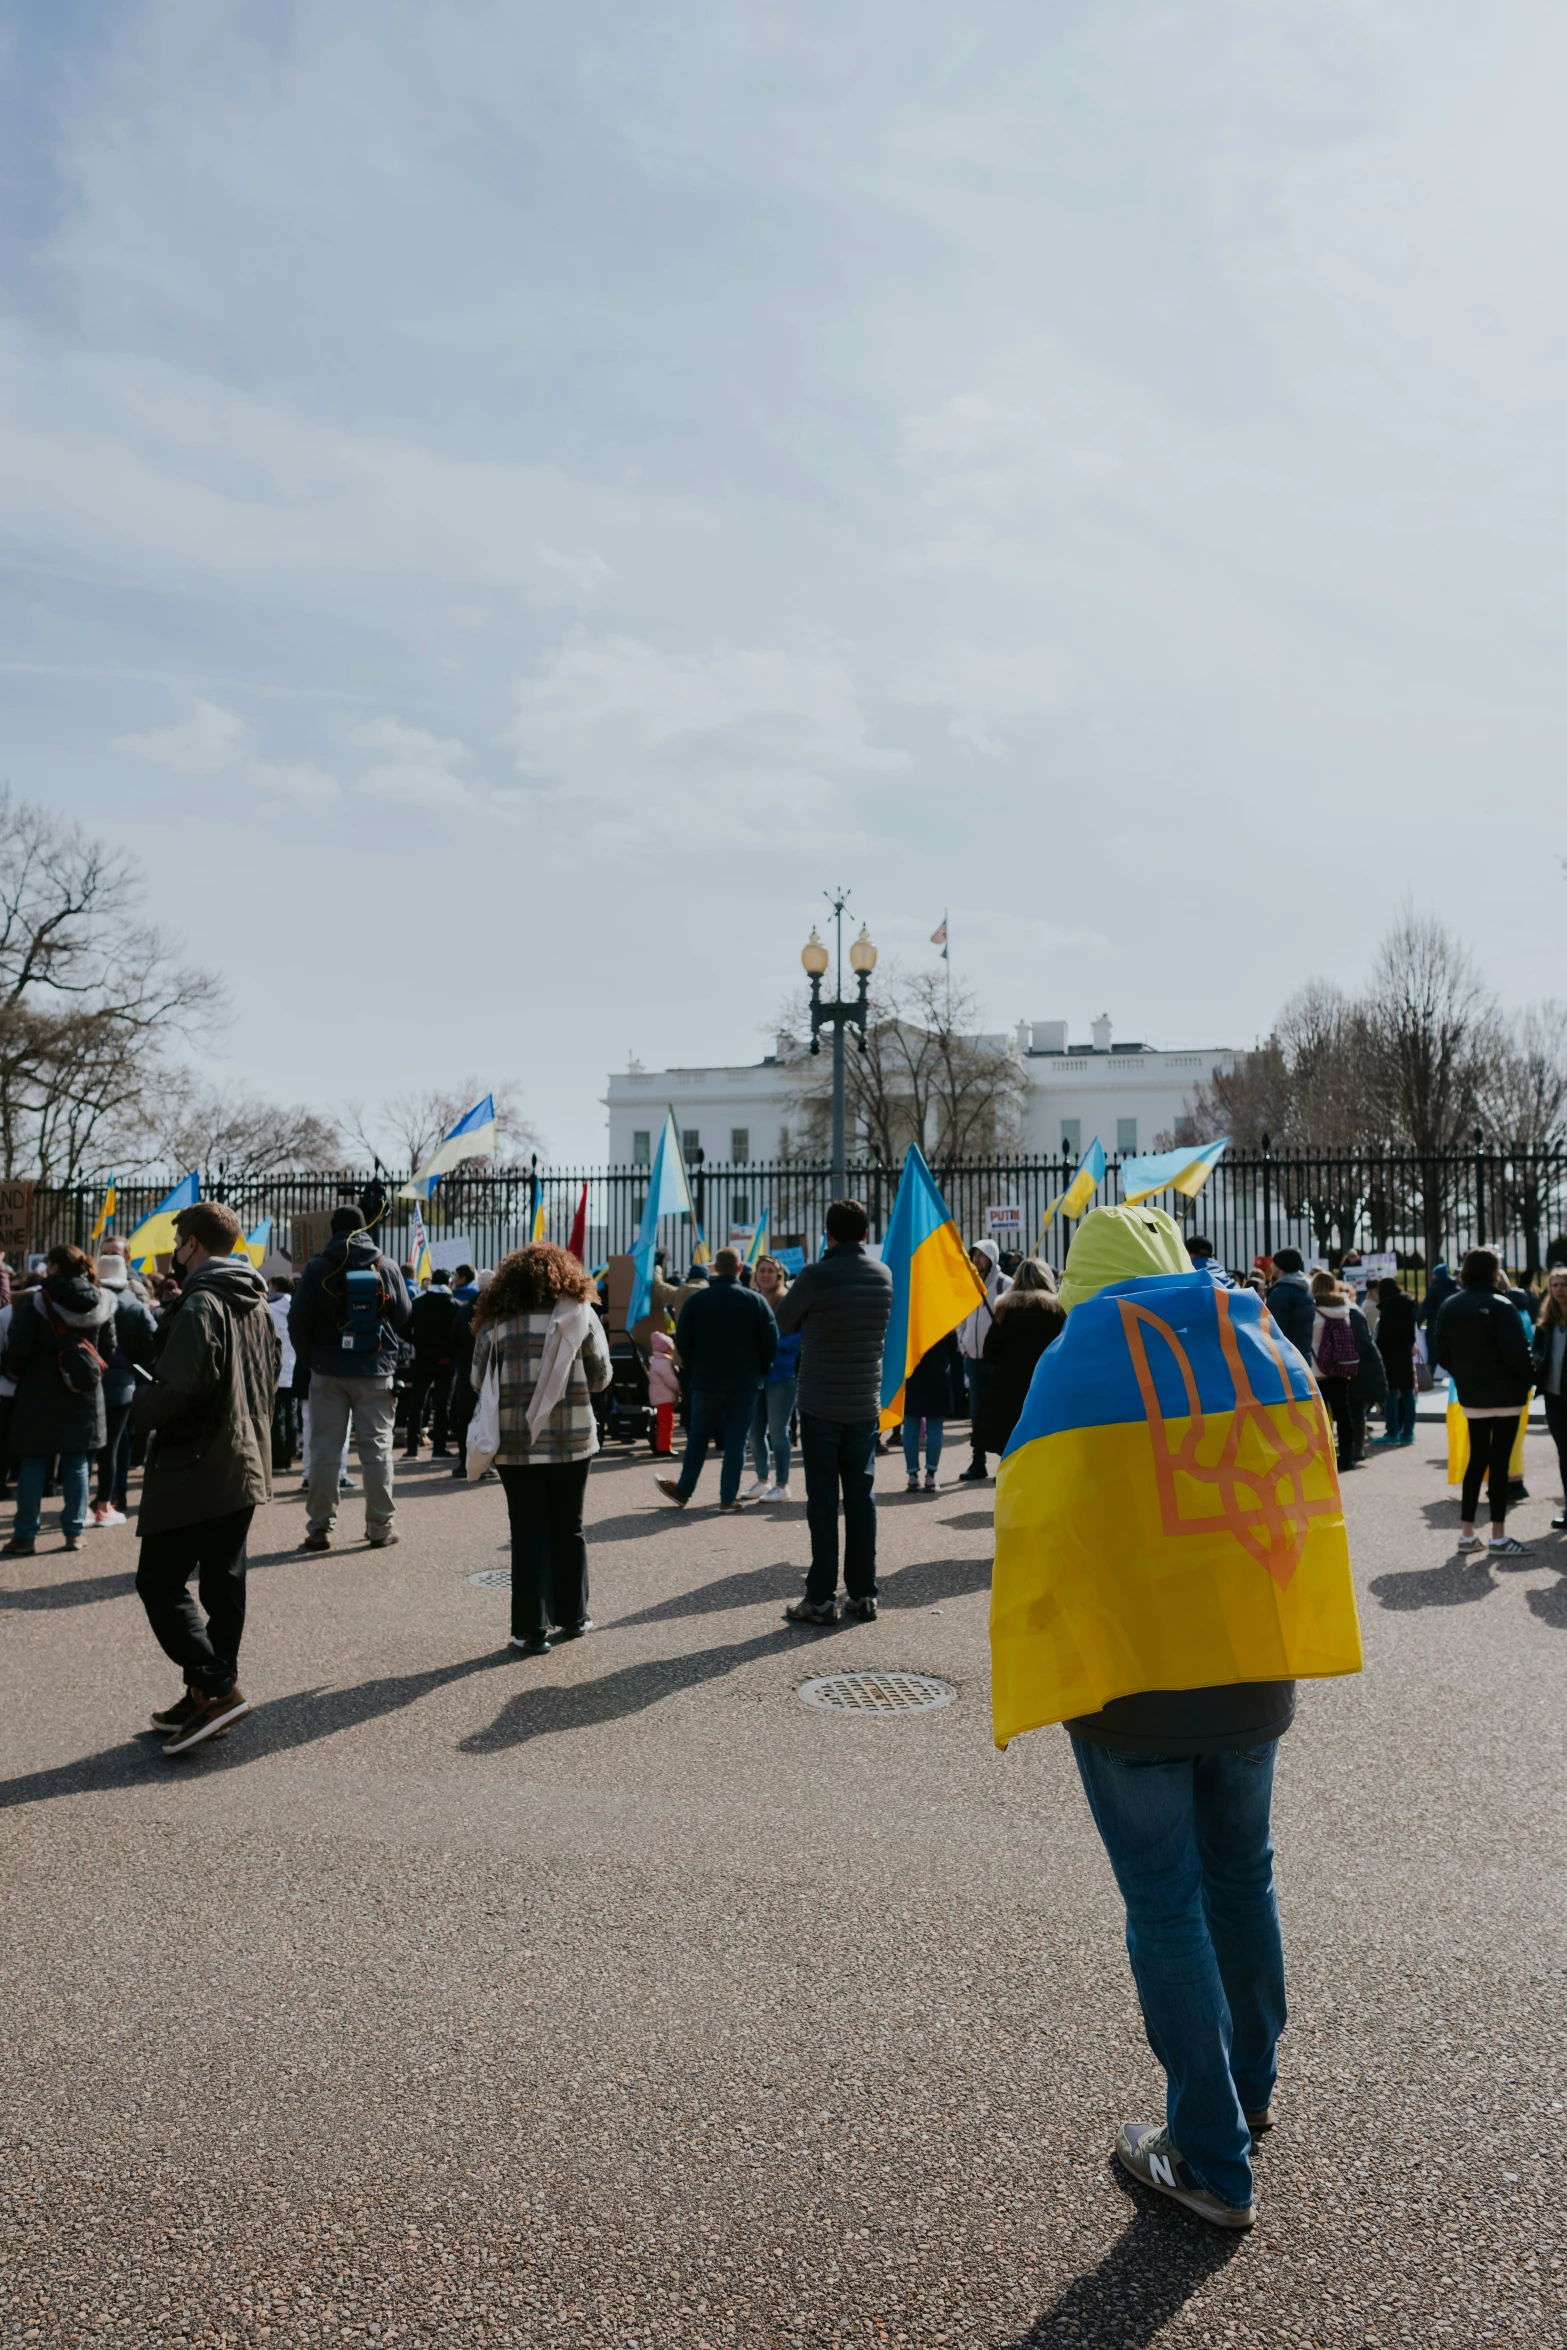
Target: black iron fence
1324,1203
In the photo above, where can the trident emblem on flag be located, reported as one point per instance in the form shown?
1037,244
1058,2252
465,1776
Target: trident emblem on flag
1254,1461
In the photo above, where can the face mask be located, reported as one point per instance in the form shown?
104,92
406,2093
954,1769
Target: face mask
178,1272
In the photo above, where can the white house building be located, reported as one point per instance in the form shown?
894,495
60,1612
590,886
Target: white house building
1127,1094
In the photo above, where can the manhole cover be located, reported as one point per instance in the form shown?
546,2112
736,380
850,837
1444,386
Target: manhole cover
877,1693
492,1579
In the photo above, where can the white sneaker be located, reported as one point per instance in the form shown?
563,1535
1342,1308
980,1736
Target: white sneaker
778,1493
110,1517
759,1490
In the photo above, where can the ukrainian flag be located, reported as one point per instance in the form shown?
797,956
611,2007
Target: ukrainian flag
1090,1174
538,1233
418,1248
1185,1171
471,1137
154,1235
105,1215
934,1284
257,1241
1167,1512
761,1238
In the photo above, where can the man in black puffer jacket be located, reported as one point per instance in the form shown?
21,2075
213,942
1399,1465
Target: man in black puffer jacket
841,1308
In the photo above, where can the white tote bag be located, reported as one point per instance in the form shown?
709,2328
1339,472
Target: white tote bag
484,1429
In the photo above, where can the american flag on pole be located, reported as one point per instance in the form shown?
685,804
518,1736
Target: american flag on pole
938,937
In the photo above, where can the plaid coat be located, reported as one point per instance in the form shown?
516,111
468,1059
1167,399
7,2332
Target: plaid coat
571,1431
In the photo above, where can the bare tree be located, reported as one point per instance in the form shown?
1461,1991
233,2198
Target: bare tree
245,1136
926,1075
1523,1116
91,999
1432,1023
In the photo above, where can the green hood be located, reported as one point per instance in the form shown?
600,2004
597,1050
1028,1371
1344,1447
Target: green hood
1121,1244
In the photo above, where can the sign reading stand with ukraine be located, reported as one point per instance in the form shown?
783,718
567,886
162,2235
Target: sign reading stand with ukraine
1168,1511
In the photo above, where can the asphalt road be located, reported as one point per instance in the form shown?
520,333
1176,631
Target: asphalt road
618,1998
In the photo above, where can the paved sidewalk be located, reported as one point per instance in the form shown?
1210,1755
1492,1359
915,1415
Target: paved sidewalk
616,1997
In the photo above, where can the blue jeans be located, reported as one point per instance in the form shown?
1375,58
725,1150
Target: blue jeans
725,1419
911,1444
1191,1846
1400,1413
31,1471
840,1454
770,1427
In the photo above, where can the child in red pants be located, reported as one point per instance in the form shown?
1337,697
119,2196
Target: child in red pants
663,1386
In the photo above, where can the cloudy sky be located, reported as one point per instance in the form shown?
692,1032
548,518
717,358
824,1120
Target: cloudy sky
499,505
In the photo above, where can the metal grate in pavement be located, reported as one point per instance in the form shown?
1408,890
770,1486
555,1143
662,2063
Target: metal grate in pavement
877,1693
492,1579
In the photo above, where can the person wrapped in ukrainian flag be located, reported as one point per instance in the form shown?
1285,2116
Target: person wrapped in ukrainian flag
1170,1559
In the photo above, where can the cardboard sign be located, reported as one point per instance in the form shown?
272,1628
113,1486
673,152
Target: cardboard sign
1005,1221
16,1217
309,1230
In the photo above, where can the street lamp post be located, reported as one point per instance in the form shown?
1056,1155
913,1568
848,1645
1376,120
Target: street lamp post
838,1016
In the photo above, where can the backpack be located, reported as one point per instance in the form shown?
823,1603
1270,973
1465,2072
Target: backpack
81,1365
1338,1356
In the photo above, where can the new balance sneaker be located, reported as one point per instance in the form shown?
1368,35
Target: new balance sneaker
1507,1548
671,1491
1144,2151
811,1611
210,1716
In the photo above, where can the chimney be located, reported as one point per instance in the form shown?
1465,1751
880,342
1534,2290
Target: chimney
1101,1033
1050,1036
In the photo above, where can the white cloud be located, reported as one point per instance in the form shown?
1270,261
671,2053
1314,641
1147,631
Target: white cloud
295,779
984,686
664,741
205,743
419,770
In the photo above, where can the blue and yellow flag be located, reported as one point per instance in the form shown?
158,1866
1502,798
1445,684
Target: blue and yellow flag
538,1233
1185,1170
934,1284
668,1194
760,1236
105,1216
1167,1512
1071,1202
418,1248
473,1137
154,1235
257,1241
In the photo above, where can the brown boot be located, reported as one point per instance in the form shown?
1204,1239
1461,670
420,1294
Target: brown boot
211,1715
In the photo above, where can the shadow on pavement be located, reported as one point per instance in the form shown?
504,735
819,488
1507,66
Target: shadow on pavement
277,1726
1550,1606
924,1580
769,1582
1449,1585
972,1522
1144,2280
582,1705
81,1593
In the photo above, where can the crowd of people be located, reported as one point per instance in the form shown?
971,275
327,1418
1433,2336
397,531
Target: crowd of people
213,1376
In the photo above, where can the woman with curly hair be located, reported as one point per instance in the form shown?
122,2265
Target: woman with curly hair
535,1321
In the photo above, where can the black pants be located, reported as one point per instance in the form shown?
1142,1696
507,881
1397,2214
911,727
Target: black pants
839,1455
432,1381
285,1430
1490,1449
214,1551
1335,1394
460,1407
115,1416
1556,1421
549,1555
